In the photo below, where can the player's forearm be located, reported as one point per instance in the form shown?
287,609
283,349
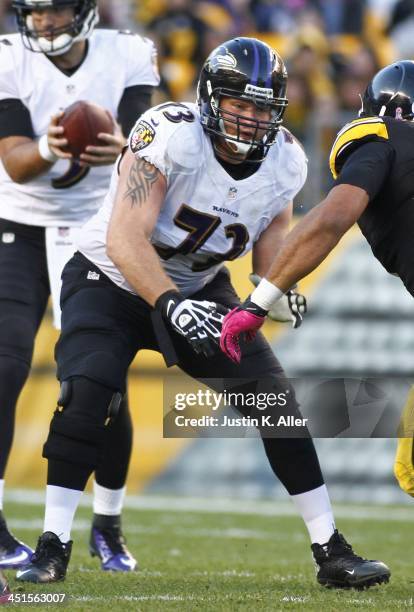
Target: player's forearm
311,241
304,249
265,253
316,235
23,162
140,265
267,247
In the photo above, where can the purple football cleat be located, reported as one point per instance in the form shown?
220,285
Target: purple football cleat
108,543
16,559
13,554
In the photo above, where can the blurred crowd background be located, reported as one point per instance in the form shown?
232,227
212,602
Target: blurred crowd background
360,318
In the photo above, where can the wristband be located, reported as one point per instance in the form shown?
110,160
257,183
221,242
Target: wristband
266,294
167,301
44,150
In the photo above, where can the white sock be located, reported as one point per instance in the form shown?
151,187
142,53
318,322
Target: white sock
107,501
60,509
315,508
1,493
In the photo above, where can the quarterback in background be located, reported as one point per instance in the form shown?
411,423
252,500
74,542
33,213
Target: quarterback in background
199,184
58,58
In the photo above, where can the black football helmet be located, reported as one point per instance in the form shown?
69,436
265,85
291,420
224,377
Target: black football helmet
391,92
248,69
80,28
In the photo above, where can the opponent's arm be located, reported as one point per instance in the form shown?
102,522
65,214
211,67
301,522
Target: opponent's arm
314,237
304,249
361,179
292,306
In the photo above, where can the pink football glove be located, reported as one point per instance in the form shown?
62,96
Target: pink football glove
245,319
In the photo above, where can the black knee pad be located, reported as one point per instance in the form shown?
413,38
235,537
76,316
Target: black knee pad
77,431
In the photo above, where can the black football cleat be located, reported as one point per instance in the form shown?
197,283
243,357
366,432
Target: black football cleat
108,543
339,567
49,562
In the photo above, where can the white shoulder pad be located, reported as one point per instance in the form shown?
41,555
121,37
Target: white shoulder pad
170,137
11,54
292,164
140,56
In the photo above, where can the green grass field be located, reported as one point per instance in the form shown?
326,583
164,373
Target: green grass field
223,561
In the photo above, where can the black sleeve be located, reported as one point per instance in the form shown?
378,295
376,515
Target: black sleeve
135,101
15,119
368,167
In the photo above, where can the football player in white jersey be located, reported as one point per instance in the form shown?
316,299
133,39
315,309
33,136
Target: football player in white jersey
199,185
56,59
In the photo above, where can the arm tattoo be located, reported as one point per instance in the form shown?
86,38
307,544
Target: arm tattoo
141,178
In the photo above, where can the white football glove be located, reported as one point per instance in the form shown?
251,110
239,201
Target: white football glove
290,307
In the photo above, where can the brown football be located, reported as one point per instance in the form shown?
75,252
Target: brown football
83,121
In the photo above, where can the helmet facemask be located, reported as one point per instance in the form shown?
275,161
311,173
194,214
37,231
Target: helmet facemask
263,133
80,28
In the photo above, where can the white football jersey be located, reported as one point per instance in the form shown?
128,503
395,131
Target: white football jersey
68,194
207,217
